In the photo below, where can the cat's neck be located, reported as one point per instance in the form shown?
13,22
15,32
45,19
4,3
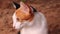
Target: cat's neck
31,18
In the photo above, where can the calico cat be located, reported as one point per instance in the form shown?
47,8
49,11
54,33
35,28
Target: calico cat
28,20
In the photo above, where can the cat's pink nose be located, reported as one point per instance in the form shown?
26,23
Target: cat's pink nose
13,26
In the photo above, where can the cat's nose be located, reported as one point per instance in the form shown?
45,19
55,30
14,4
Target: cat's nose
13,27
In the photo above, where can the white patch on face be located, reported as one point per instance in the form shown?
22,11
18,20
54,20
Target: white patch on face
16,24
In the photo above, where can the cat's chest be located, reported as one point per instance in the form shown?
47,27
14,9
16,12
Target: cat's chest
30,31
34,29
39,26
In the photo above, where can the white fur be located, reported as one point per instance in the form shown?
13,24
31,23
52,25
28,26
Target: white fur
37,26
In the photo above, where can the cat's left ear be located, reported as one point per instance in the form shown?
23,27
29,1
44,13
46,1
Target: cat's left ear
25,8
33,9
16,5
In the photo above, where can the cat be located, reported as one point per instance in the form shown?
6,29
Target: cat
28,20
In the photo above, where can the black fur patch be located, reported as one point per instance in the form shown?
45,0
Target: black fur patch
34,10
17,5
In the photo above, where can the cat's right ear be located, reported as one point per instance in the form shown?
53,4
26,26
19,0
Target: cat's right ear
15,5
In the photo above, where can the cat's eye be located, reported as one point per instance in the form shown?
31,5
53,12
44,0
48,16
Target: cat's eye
17,19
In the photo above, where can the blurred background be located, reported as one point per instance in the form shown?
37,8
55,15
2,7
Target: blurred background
50,8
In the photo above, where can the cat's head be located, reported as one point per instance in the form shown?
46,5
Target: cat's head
23,11
22,15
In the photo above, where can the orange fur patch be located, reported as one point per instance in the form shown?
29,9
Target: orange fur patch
24,13
22,16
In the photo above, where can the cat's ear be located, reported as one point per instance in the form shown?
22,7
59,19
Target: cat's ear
33,9
15,5
24,7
